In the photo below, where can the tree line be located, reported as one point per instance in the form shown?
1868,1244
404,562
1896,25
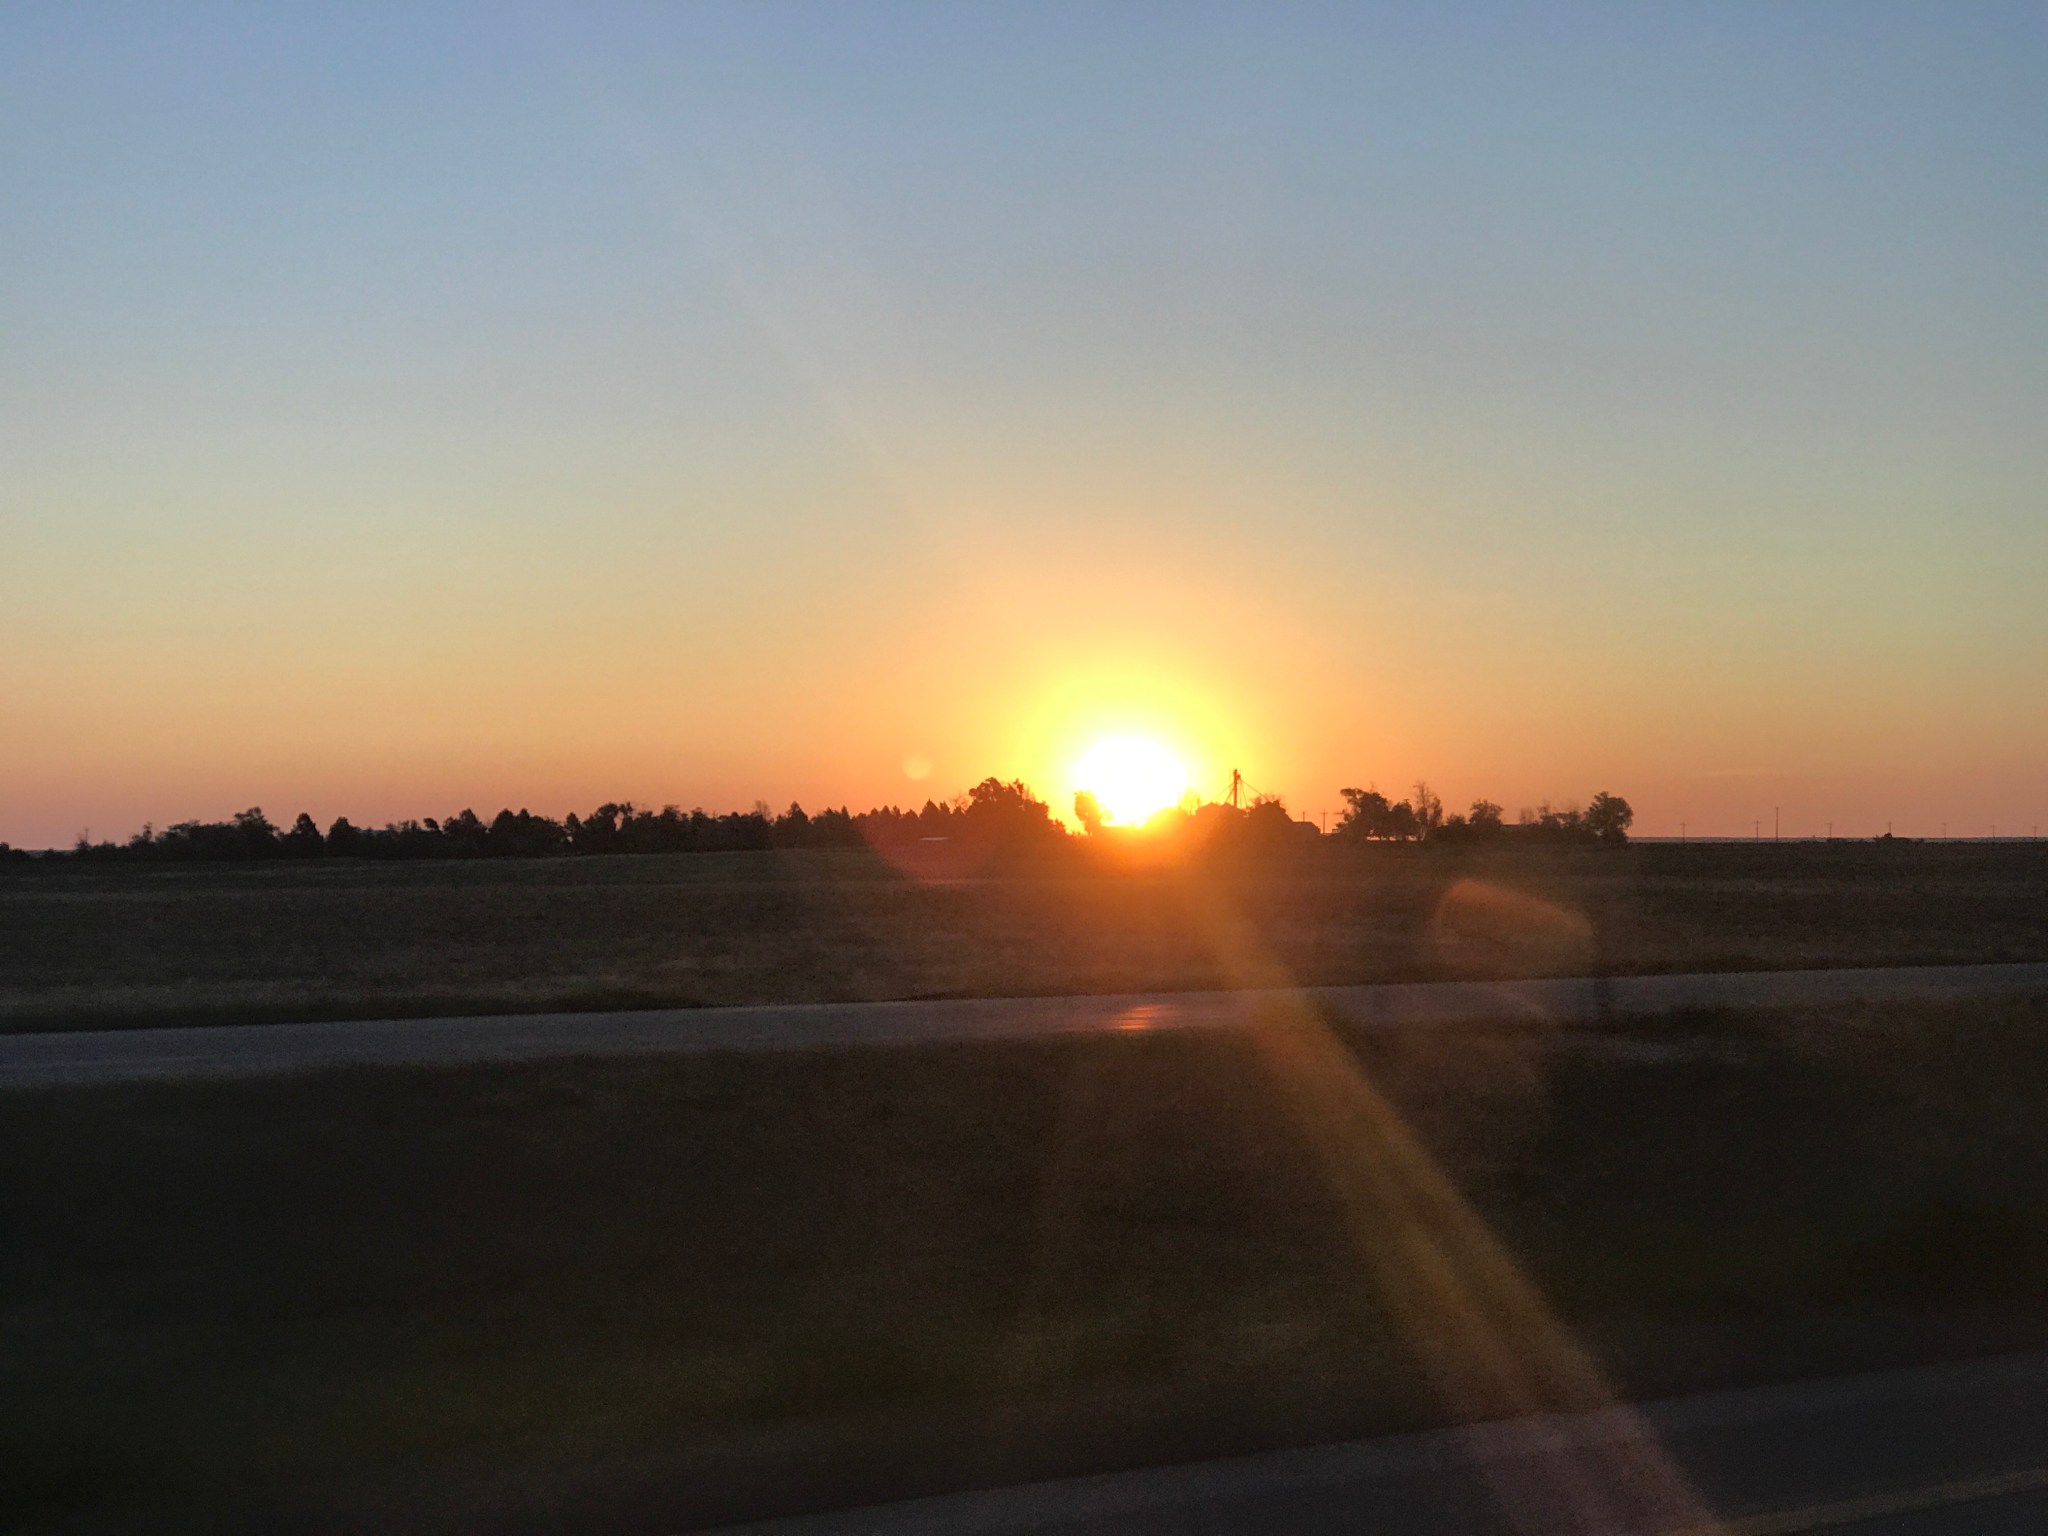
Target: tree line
995,815
1369,814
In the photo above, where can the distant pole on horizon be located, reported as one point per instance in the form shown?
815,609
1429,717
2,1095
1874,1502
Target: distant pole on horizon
1774,823
1756,829
1831,831
1681,832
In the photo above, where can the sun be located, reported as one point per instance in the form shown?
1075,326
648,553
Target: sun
1131,777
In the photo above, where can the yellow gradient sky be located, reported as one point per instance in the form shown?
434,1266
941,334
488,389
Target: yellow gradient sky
440,407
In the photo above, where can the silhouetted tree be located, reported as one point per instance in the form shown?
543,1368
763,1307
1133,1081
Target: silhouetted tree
939,820
1088,811
1007,816
464,836
834,829
1608,818
304,840
889,827
404,840
1553,824
1429,810
793,828
523,835
598,831
1365,813
1370,814
259,837
1267,824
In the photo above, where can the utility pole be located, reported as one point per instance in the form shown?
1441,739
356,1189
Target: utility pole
1756,831
1774,823
1831,831
1681,834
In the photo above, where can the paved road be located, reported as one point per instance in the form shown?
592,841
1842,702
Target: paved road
100,1056
1933,1452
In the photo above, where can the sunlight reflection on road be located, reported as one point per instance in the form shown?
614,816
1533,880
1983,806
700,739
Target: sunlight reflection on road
1143,1016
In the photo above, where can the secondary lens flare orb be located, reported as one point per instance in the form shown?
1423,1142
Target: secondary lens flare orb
1132,778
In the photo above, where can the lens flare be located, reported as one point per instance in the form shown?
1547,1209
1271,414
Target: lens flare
1131,777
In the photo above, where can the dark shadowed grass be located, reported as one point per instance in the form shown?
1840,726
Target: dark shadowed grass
651,1294
121,946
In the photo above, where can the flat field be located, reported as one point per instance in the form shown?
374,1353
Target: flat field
83,946
645,1296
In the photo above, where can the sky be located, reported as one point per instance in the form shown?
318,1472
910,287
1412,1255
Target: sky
415,407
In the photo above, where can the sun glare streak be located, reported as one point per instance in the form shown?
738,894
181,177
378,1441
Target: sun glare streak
1132,778
1478,1326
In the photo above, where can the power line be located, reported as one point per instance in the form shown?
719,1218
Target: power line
1241,789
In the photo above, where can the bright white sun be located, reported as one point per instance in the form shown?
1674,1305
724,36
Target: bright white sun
1131,777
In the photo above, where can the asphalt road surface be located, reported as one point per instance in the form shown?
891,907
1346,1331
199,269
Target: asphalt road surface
123,1055
1939,1451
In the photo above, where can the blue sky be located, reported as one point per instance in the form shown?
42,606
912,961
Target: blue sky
429,404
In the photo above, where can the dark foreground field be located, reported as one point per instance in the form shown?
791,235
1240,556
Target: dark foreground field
86,946
645,1296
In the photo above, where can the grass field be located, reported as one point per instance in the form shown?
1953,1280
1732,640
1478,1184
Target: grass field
641,1296
85,946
